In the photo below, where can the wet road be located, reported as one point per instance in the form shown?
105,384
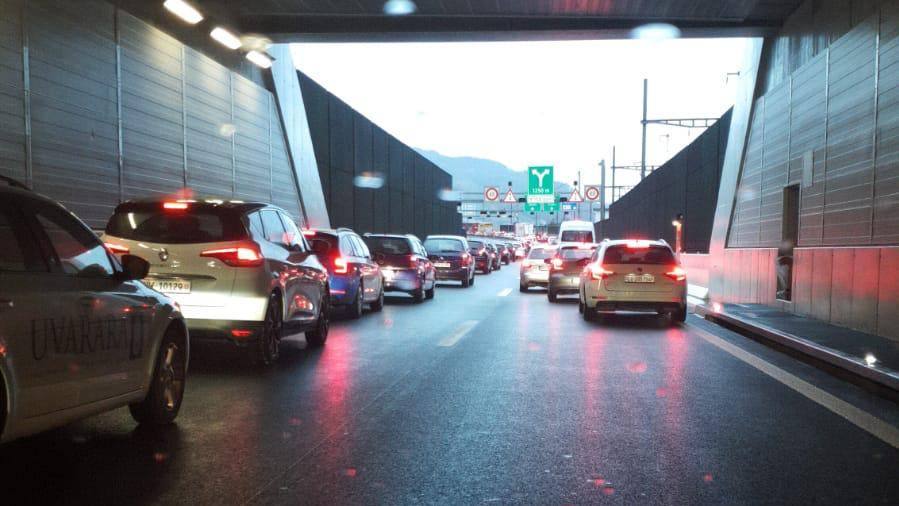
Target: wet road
486,395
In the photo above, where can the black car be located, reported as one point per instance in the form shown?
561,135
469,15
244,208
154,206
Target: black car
478,250
493,252
355,278
404,264
451,259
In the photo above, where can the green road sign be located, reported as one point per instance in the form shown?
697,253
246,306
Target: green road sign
550,208
540,181
532,208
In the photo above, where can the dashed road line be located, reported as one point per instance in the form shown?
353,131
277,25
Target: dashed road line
458,333
504,293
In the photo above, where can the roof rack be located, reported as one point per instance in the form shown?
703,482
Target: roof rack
14,183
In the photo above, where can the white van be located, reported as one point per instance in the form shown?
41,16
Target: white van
574,231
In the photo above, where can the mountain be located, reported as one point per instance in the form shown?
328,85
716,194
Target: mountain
473,174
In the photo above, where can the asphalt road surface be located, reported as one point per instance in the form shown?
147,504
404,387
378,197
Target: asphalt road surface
486,395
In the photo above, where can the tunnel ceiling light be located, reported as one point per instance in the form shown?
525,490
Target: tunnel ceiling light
399,7
656,32
259,59
225,37
183,10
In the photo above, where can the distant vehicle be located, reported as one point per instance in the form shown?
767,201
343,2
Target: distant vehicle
242,272
634,275
493,252
353,276
534,270
565,269
404,264
574,231
478,250
451,258
521,250
80,334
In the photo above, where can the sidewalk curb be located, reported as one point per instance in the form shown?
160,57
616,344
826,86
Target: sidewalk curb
854,365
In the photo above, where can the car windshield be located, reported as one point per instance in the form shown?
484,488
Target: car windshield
388,245
575,253
540,253
155,224
444,245
576,236
652,255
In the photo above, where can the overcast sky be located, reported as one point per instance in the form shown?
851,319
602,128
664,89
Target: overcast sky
532,103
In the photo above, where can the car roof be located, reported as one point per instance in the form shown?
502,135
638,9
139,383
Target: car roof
201,202
625,242
458,237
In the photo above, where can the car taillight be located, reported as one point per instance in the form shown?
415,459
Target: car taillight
116,249
308,233
174,206
677,273
557,264
242,255
340,265
598,272
481,252
466,259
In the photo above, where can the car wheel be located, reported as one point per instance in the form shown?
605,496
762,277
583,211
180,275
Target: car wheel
466,282
472,279
419,294
378,304
580,305
316,338
589,315
522,288
266,350
429,294
551,295
163,401
355,309
680,315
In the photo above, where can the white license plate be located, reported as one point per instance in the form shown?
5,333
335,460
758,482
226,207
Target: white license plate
168,285
442,265
388,274
639,278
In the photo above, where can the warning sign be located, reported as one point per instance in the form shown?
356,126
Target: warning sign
510,197
591,193
491,194
575,196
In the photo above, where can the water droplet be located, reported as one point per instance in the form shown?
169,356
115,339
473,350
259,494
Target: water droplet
294,421
707,477
160,457
661,392
637,367
350,471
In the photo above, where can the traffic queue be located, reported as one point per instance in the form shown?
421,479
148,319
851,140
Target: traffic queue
88,325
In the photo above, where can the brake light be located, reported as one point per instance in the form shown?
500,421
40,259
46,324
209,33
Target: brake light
116,249
557,264
466,259
308,233
241,332
637,244
481,252
174,206
340,265
413,263
598,272
677,273
244,255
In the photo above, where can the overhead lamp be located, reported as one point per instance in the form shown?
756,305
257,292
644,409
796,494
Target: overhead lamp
225,37
183,10
399,7
259,59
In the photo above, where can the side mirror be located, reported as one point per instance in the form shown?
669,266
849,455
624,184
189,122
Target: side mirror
134,267
320,247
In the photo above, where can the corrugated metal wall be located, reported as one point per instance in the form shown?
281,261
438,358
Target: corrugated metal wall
117,110
830,127
687,184
347,145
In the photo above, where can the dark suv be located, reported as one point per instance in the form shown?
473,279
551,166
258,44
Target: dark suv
404,264
482,261
451,258
354,276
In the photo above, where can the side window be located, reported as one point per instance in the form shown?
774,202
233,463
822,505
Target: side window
254,221
17,250
419,249
293,233
346,246
274,229
361,247
77,248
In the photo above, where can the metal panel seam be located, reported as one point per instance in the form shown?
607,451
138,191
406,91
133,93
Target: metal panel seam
184,111
876,118
118,70
26,97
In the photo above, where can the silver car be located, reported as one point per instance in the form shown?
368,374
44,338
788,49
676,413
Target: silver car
242,272
79,333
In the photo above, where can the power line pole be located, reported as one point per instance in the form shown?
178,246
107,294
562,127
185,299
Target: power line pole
613,174
602,191
644,122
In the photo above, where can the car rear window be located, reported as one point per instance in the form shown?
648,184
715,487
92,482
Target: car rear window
151,223
388,245
475,244
540,253
575,253
330,240
444,245
652,255
576,236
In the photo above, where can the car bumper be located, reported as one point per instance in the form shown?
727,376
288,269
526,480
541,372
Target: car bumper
607,300
401,280
343,290
454,274
237,308
535,277
236,332
565,283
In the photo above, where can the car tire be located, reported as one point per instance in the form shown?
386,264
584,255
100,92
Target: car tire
419,294
680,315
378,304
551,295
466,282
522,288
429,294
163,400
471,283
580,305
355,309
589,315
266,350
316,337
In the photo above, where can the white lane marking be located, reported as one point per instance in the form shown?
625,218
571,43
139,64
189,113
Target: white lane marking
458,333
504,293
861,419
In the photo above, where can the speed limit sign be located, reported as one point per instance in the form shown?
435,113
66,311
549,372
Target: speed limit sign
591,193
491,194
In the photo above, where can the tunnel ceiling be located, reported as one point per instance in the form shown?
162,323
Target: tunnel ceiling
334,20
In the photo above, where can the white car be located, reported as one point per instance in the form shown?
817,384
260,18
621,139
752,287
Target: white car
534,270
79,333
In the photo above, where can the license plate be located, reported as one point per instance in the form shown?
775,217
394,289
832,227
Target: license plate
169,285
639,278
442,265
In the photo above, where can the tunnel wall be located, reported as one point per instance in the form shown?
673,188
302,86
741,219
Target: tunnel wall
825,118
686,185
99,107
347,145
